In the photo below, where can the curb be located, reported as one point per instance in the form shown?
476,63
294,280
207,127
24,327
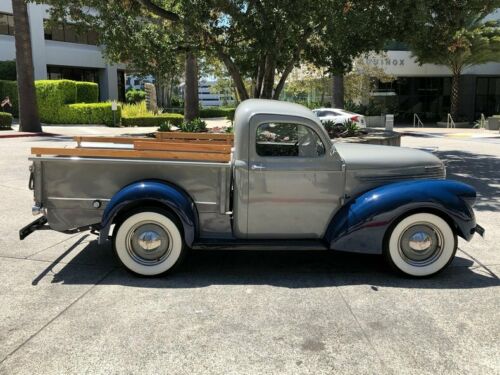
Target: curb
22,135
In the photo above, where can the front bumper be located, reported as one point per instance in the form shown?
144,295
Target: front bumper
479,230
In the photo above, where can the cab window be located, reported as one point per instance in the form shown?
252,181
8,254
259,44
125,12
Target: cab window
288,139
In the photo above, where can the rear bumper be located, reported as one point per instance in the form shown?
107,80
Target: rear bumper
33,226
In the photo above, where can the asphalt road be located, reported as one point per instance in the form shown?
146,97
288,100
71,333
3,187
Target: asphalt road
66,306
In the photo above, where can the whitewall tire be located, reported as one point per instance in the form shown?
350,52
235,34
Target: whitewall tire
148,243
421,245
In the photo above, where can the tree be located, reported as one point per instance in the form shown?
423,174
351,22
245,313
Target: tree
154,50
357,27
455,34
260,42
28,110
150,39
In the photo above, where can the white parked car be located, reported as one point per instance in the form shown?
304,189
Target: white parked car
339,116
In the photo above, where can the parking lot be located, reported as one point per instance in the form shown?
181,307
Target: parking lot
67,307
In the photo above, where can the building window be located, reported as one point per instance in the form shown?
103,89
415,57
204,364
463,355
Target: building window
487,96
6,24
75,74
66,32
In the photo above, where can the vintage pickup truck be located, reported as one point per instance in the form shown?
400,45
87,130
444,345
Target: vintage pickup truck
283,184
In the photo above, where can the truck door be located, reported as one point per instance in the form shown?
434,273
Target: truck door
294,181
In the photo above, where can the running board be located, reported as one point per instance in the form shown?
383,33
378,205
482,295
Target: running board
259,245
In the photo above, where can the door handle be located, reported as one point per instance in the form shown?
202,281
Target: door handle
257,167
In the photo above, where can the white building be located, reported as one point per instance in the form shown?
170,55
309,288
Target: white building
208,97
61,52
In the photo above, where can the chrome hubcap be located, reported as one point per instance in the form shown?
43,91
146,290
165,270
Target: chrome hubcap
421,244
148,243
420,241
149,240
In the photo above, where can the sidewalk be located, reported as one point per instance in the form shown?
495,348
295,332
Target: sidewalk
72,130
449,132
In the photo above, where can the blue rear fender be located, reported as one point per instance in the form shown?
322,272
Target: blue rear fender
159,194
362,223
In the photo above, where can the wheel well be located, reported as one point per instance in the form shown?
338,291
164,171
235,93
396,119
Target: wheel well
430,210
142,205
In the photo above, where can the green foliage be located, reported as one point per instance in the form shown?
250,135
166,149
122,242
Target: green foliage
135,96
153,120
89,113
195,126
136,110
52,96
165,127
217,112
57,103
87,92
5,120
336,130
9,88
8,70
455,33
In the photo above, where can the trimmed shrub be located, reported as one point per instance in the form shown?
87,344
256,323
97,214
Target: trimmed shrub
52,96
216,112
196,125
89,113
153,120
9,88
135,96
165,127
87,92
8,70
5,120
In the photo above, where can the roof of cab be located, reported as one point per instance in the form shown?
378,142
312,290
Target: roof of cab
250,107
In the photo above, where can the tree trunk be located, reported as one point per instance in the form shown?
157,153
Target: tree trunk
28,111
455,89
260,77
191,106
281,82
267,89
338,91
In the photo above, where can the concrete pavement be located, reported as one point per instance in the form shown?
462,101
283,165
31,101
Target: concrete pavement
66,307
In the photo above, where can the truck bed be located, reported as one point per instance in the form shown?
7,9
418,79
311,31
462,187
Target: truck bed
165,145
70,181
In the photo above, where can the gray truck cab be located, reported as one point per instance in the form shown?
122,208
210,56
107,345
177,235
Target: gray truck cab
288,179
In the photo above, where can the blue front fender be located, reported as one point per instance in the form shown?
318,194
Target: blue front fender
362,223
156,192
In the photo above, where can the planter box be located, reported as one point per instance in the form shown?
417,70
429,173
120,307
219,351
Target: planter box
493,123
375,121
466,124
375,137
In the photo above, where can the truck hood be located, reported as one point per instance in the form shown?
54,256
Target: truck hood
361,156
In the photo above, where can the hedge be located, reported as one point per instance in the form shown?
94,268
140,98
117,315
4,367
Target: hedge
216,112
8,70
173,118
52,96
9,88
5,120
87,92
89,113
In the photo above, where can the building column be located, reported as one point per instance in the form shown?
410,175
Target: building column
108,83
36,13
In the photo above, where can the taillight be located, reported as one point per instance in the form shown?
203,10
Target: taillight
354,118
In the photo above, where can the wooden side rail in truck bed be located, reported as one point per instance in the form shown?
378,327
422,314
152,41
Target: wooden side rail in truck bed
167,145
